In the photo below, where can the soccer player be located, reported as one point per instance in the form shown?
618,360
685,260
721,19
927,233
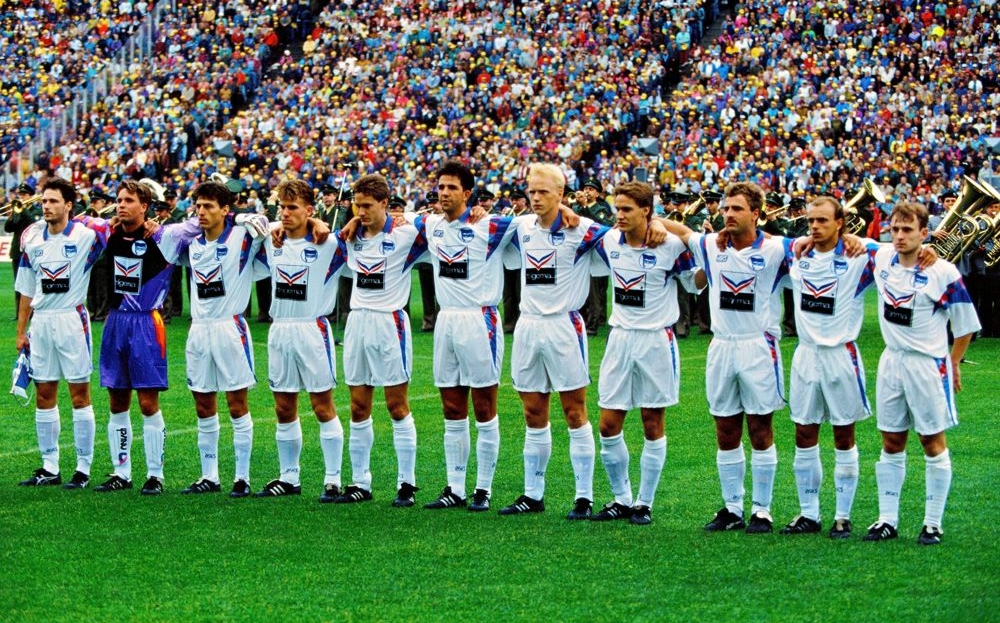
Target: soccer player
468,334
377,339
917,379
300,348
549,353
52,280
219,350
640,368
134,342
743,374
827,379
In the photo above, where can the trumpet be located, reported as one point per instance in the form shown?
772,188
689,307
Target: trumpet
854,221
682,215
769,213
17,206
111,208
958,225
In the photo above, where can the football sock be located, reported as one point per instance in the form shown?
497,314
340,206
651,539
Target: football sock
404,438
47,429
654,456
763,465
154,436
487,452
242,445
84,428
581,455
331,440
845,480
808,478
456,453
208,447
890,471
614,456
732,466
360,448
938,481
120,443
288,436
537,450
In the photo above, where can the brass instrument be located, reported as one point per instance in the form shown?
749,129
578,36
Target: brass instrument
958,225
16,206
111,209
682,215
854,222
993,255
769,213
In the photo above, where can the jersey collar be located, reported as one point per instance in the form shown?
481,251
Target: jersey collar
756,243
65,232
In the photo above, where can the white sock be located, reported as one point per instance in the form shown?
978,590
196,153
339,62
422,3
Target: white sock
84,428
404,438
331,440
537,450
288,436
47,429
732,466
763,465
581,455
242,445
120,443
614,456
360,449
845,480
808,479
456,453
890,471
654,456
154,437
208,447
487,452
938,481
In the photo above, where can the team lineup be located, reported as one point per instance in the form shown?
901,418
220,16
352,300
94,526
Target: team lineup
553,254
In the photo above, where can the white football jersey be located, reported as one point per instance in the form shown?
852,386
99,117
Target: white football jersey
916,305
467,258
744,298
222,272
382,265
828,289
555,264
55,268
304,275
645,292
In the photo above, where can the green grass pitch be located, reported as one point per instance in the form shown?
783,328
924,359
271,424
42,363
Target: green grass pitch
83,556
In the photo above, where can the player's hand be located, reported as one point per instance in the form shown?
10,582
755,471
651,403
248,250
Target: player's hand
722,240
927,256
956,376
150,228
476,214
22,342
278,236
706,227
256,224
114,222
656,234
802,245
320,230
398,221
350,229
570,219
854,246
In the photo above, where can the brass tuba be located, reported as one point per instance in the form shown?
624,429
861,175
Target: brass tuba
959,227
855,208
993,255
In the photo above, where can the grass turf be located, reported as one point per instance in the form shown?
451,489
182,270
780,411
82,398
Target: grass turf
83,556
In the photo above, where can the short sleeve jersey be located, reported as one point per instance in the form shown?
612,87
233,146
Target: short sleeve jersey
222,272
58,265
304,275
382,265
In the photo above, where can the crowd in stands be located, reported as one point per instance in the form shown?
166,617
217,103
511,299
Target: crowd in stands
803,97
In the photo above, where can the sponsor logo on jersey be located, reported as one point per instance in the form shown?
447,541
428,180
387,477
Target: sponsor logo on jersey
371,275
196,256
818,298
388,246
291,282
647,260
278,252
127,275
884,274
615,255
757,262
466,234
721,258
540,269
919,280
839,267
208,282
37,253
55,278
139,247
804,265
898,308
439,233
556,238
453,262
630,288
359,247
526,238
309,255
221,252
69,250
737,291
